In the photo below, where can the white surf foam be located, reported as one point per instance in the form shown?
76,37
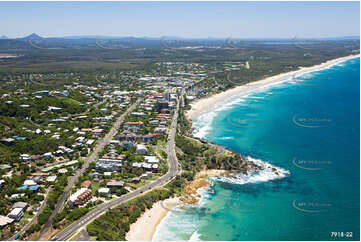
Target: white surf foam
203,124
225,138
266,173
195,236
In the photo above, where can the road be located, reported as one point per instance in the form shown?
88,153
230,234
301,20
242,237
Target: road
33,220
174,169
72,180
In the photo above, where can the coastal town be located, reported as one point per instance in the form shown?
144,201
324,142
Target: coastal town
72,148
108,138
68,150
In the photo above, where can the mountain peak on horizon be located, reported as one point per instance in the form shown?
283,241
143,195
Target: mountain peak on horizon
33,36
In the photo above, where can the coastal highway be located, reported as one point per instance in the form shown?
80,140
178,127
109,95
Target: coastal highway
174,169
72,180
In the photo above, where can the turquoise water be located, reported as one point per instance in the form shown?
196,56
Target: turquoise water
309,129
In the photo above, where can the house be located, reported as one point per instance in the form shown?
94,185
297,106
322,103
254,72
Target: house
35,157
80,139
41,92
80,197
107,173
7,141
90,142
29,183
115,184
5,166
48,155
51,179
17,195
146,138
164,116
4,221
113,156
115,142
129,136
55,136
54,109
147,166
146,175
154,122
86,184
155,167
104,191
97,132
25,157
16,214
135,179
139,114
108,164
127,144
66,149
151,159
161,130
62,171
22,205
134,126
2,182
141,149
37,179
137,165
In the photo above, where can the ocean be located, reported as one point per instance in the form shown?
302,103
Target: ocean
309,128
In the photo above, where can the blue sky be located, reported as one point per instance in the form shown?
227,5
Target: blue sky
183,19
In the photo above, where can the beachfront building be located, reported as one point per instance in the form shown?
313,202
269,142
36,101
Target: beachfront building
80,197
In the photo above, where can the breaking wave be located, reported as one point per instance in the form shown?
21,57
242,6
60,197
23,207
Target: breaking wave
266,173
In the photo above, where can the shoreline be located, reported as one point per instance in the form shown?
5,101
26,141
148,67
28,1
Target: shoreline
145,226
151,218
205,104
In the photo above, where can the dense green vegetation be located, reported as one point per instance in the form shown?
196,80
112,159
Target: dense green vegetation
115,223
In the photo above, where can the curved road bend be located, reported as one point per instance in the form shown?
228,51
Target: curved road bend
72,180
174,169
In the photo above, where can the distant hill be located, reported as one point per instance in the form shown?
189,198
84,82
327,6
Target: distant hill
33,36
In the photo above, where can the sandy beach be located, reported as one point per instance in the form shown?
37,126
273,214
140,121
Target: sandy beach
206,104
152,217
145,226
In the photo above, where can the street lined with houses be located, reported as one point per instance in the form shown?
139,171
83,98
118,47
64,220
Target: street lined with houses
174,169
